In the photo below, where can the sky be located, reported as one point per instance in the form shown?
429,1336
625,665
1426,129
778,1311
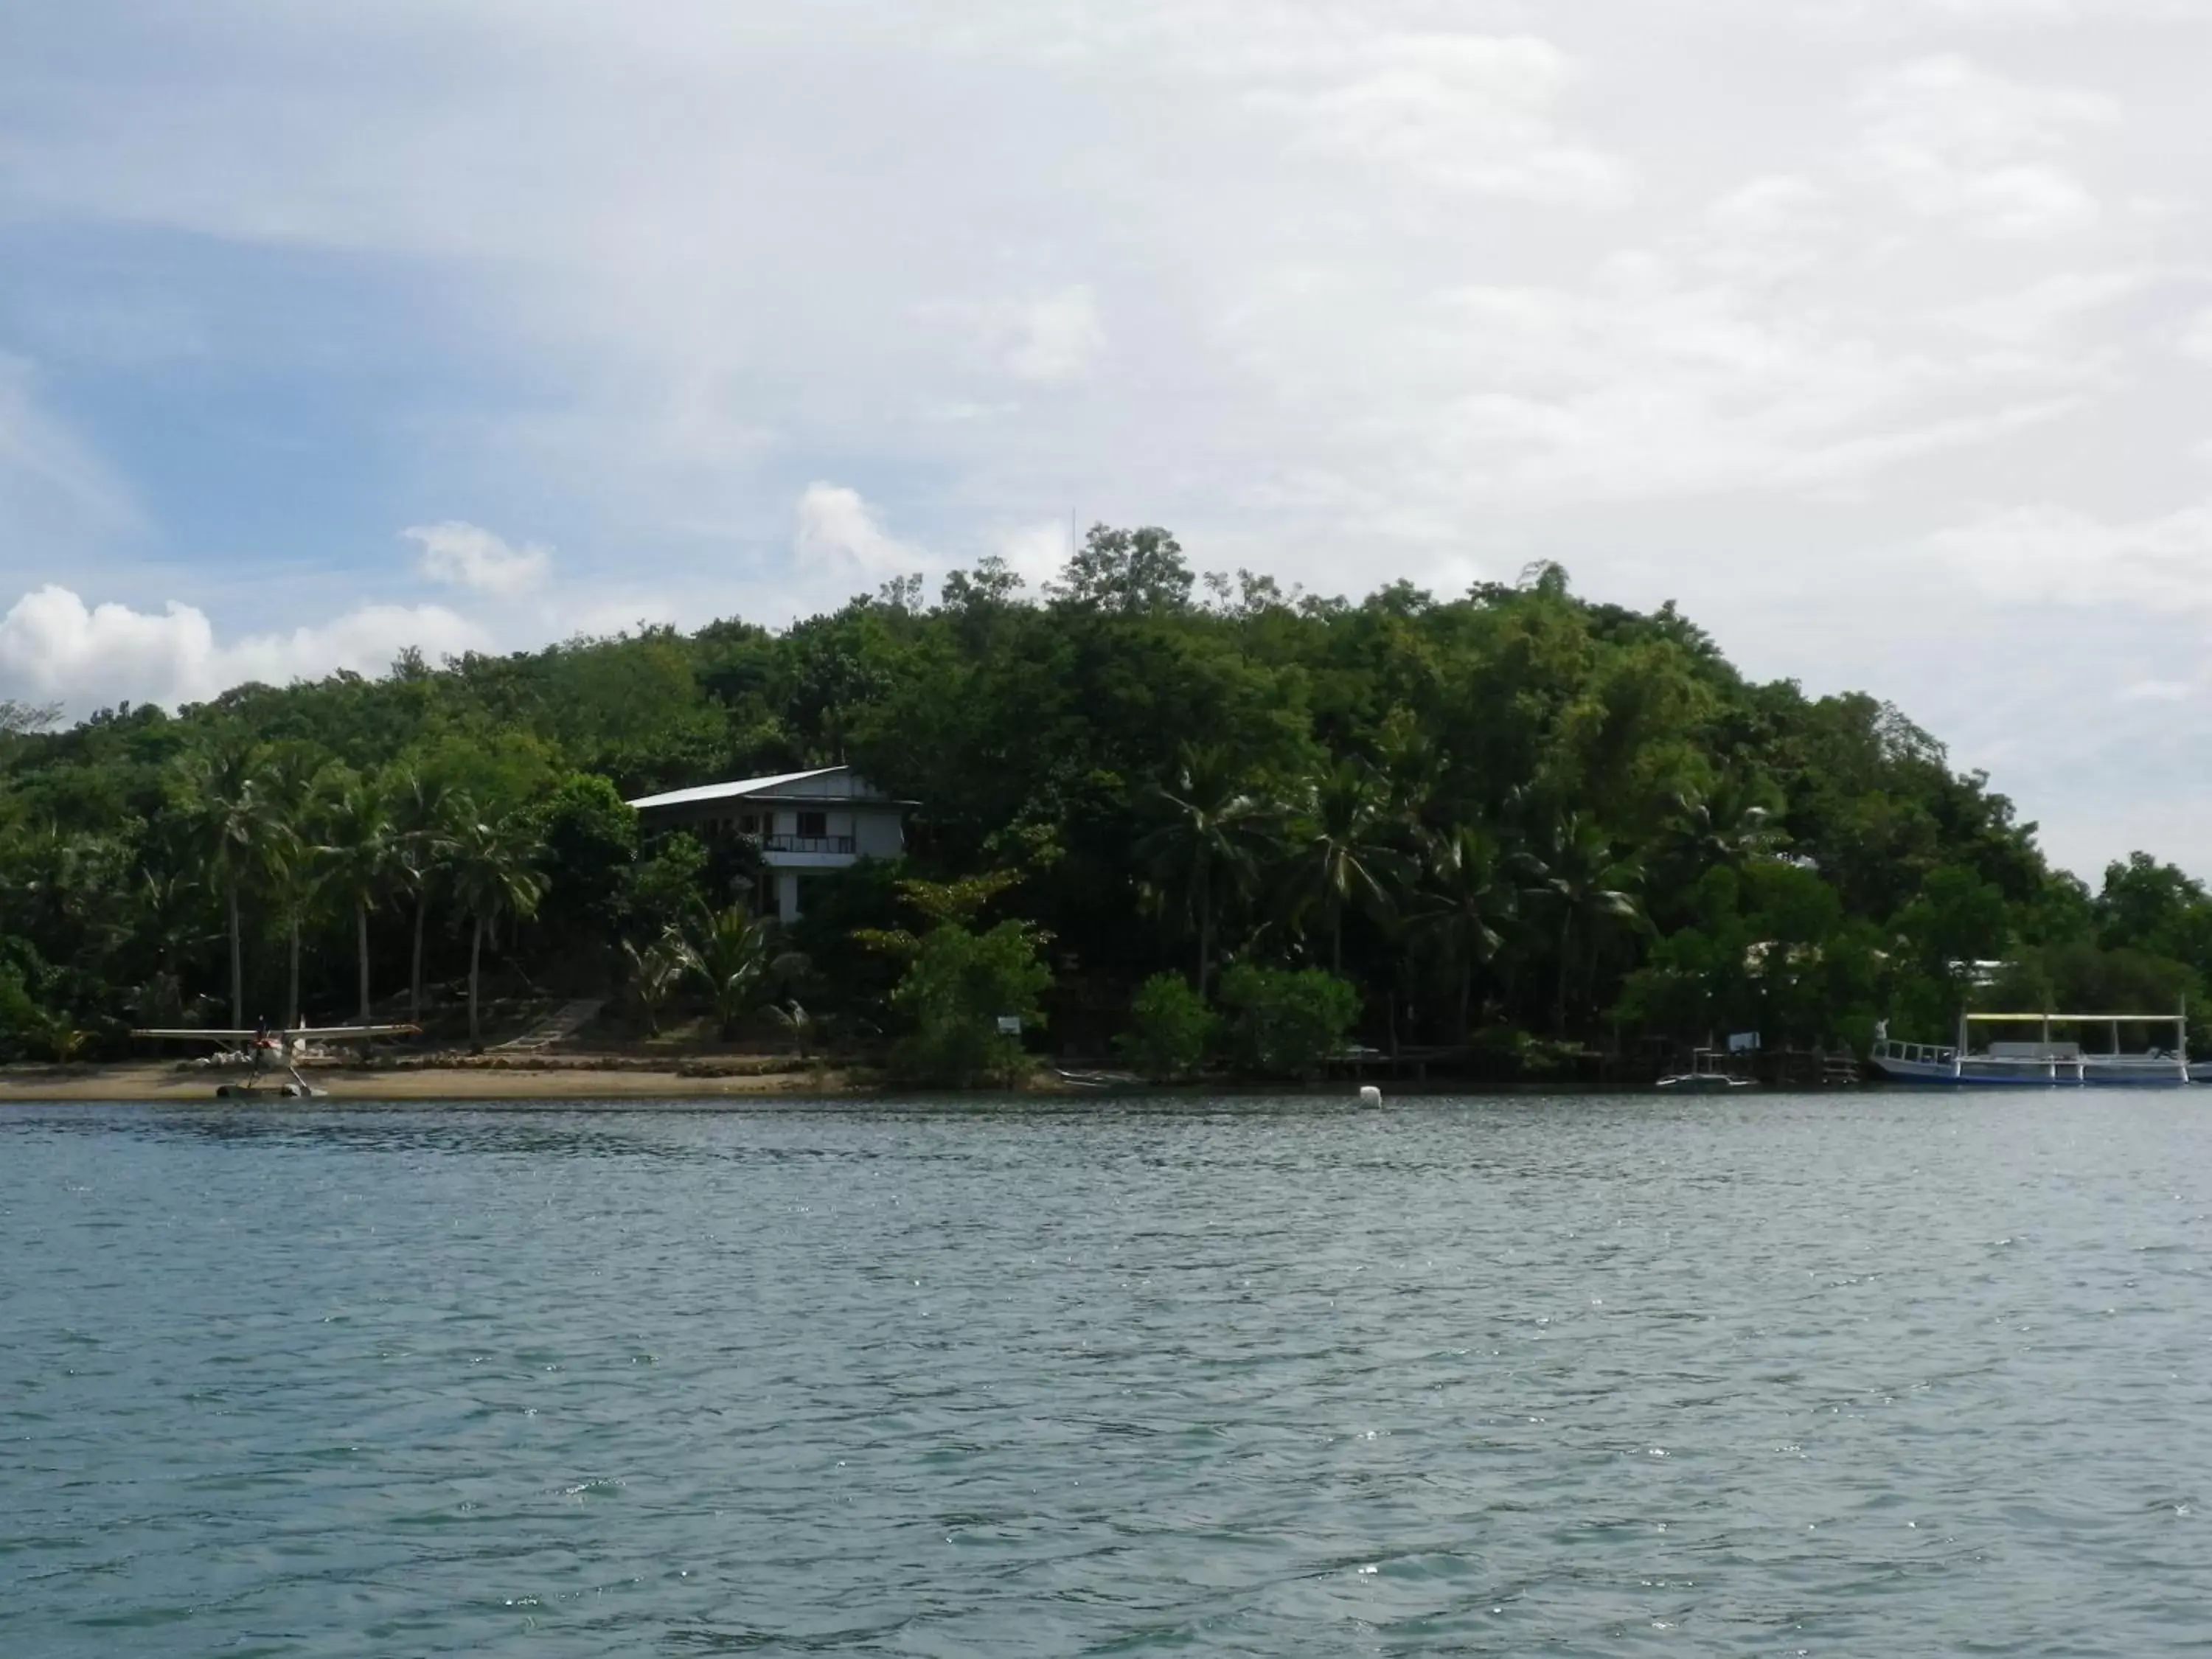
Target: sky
1876,333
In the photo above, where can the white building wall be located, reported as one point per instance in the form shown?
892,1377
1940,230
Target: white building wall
877,835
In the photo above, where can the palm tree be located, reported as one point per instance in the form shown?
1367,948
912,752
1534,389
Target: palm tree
229,814
794,1018
1340,855
290,861
1462,901
425,818
165,904
360,859
1727,824
1577,874
735,957
494,876
653,973
1212,831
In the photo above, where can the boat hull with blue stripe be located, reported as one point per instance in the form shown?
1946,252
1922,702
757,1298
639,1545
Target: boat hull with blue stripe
2092,1057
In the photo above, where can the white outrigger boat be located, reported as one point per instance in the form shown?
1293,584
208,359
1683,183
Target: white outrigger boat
1708,1075
263,1048
2042,1060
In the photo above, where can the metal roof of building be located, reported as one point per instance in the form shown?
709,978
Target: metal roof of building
768,786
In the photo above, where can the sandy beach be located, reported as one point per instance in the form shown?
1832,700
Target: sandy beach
580,1077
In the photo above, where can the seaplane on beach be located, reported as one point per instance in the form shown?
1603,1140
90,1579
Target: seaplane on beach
262,1048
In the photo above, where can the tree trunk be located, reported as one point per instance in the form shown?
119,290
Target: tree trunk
361,935
475,958
292,980
1465,995
415,982
1566,966
1205,929
237,967
1336,941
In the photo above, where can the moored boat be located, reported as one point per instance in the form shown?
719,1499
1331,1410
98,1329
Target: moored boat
2044,1061
1707,1075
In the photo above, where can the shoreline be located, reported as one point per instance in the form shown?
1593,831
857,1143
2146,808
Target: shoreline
586,1078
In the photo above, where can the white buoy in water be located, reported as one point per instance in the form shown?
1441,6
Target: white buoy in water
1370,1095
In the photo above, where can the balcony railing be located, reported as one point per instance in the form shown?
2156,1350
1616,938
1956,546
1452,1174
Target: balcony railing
807,844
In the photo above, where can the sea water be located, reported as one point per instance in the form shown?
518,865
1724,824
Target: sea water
1874,1374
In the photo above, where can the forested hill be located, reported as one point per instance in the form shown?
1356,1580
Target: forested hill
1513,811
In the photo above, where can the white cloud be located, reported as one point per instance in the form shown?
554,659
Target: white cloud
2050,304
2050,556
1059,337
52,645
46,468
1036,552
464,554
1470,112
838,537
1777,226
1956,141
2158,691
2197,338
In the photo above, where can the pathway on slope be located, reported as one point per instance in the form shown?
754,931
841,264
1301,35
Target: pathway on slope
564,1023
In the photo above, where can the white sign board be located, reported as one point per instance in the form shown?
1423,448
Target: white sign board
1009,1025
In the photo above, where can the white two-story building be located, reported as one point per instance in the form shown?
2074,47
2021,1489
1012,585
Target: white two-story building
825,819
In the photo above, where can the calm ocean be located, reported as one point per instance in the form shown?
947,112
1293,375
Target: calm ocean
1872,1374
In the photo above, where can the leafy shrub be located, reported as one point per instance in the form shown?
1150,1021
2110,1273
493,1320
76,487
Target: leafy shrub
1169,1027
952,995
24,1025
1286,1024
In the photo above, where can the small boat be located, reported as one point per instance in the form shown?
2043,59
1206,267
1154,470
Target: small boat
1708,1074
2042,1060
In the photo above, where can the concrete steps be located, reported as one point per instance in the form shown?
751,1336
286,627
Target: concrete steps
561,1025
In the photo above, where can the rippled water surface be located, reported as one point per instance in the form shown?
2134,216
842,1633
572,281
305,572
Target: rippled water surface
1876,1374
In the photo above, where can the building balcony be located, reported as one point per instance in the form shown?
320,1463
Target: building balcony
834,845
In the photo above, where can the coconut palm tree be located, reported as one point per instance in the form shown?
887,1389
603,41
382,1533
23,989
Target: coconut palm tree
1730,824
229,815
793,1017
426,815
360,859
735,957
1212,831
494,878
290,865
1463,903
1576,874
1340,851
291,856
654,972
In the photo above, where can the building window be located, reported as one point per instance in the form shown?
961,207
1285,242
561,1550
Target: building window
814,825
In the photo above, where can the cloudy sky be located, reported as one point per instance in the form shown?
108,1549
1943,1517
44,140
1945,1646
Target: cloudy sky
1877,332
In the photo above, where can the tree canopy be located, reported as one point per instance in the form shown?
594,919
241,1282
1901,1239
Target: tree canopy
1514,809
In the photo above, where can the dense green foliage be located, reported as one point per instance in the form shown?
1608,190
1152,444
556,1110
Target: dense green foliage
1512,811
1284,1022
960,984
1170,1029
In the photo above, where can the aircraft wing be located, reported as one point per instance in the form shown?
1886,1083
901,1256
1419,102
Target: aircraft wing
312,1033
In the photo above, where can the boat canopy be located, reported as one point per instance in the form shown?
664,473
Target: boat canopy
2068,1019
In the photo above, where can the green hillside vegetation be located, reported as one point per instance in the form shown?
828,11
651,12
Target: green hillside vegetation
1515,824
